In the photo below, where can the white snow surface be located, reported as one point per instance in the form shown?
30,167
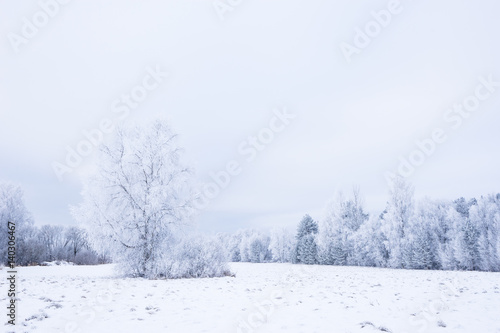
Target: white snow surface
261,298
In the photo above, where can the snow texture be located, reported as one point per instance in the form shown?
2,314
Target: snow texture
261,298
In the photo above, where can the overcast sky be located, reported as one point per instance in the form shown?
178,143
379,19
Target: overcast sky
359,102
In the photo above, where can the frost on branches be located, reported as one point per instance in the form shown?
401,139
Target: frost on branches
409,233
138,205
12,209
344,217
306,250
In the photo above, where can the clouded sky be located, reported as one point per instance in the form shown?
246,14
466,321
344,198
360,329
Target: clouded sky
364,80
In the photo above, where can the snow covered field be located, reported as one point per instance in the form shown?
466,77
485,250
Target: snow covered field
261,298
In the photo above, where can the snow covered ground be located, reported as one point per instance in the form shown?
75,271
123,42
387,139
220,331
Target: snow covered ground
261,298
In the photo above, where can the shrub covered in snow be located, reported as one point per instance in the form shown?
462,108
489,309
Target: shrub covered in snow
197,257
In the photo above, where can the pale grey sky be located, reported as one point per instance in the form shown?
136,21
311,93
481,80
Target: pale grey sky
354,119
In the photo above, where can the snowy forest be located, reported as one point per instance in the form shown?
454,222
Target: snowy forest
425,234
48,243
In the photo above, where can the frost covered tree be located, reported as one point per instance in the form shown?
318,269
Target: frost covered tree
343,218
75,240
306,251
484,216
396,220
139,198
420,246
229,245
257,249
426,230
52,238
369,248
307,226
31,250
281,244
13,209
233,246
464,252
443,216
451,240
463,206
254,246
467,253
333,244
244,248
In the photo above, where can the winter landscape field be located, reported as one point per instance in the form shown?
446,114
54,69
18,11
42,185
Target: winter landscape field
298,166
260,298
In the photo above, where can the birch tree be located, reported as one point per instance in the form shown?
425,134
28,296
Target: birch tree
139,197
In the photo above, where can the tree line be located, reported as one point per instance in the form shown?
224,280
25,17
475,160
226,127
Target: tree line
426,234
38,245
138,205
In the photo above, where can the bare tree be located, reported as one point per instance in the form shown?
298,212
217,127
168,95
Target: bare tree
53,241
74,240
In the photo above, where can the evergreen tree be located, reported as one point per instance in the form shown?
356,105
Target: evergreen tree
306,251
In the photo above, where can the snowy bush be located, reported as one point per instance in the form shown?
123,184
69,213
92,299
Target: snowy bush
86,257
196,257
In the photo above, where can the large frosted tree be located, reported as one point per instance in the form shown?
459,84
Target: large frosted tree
138,199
